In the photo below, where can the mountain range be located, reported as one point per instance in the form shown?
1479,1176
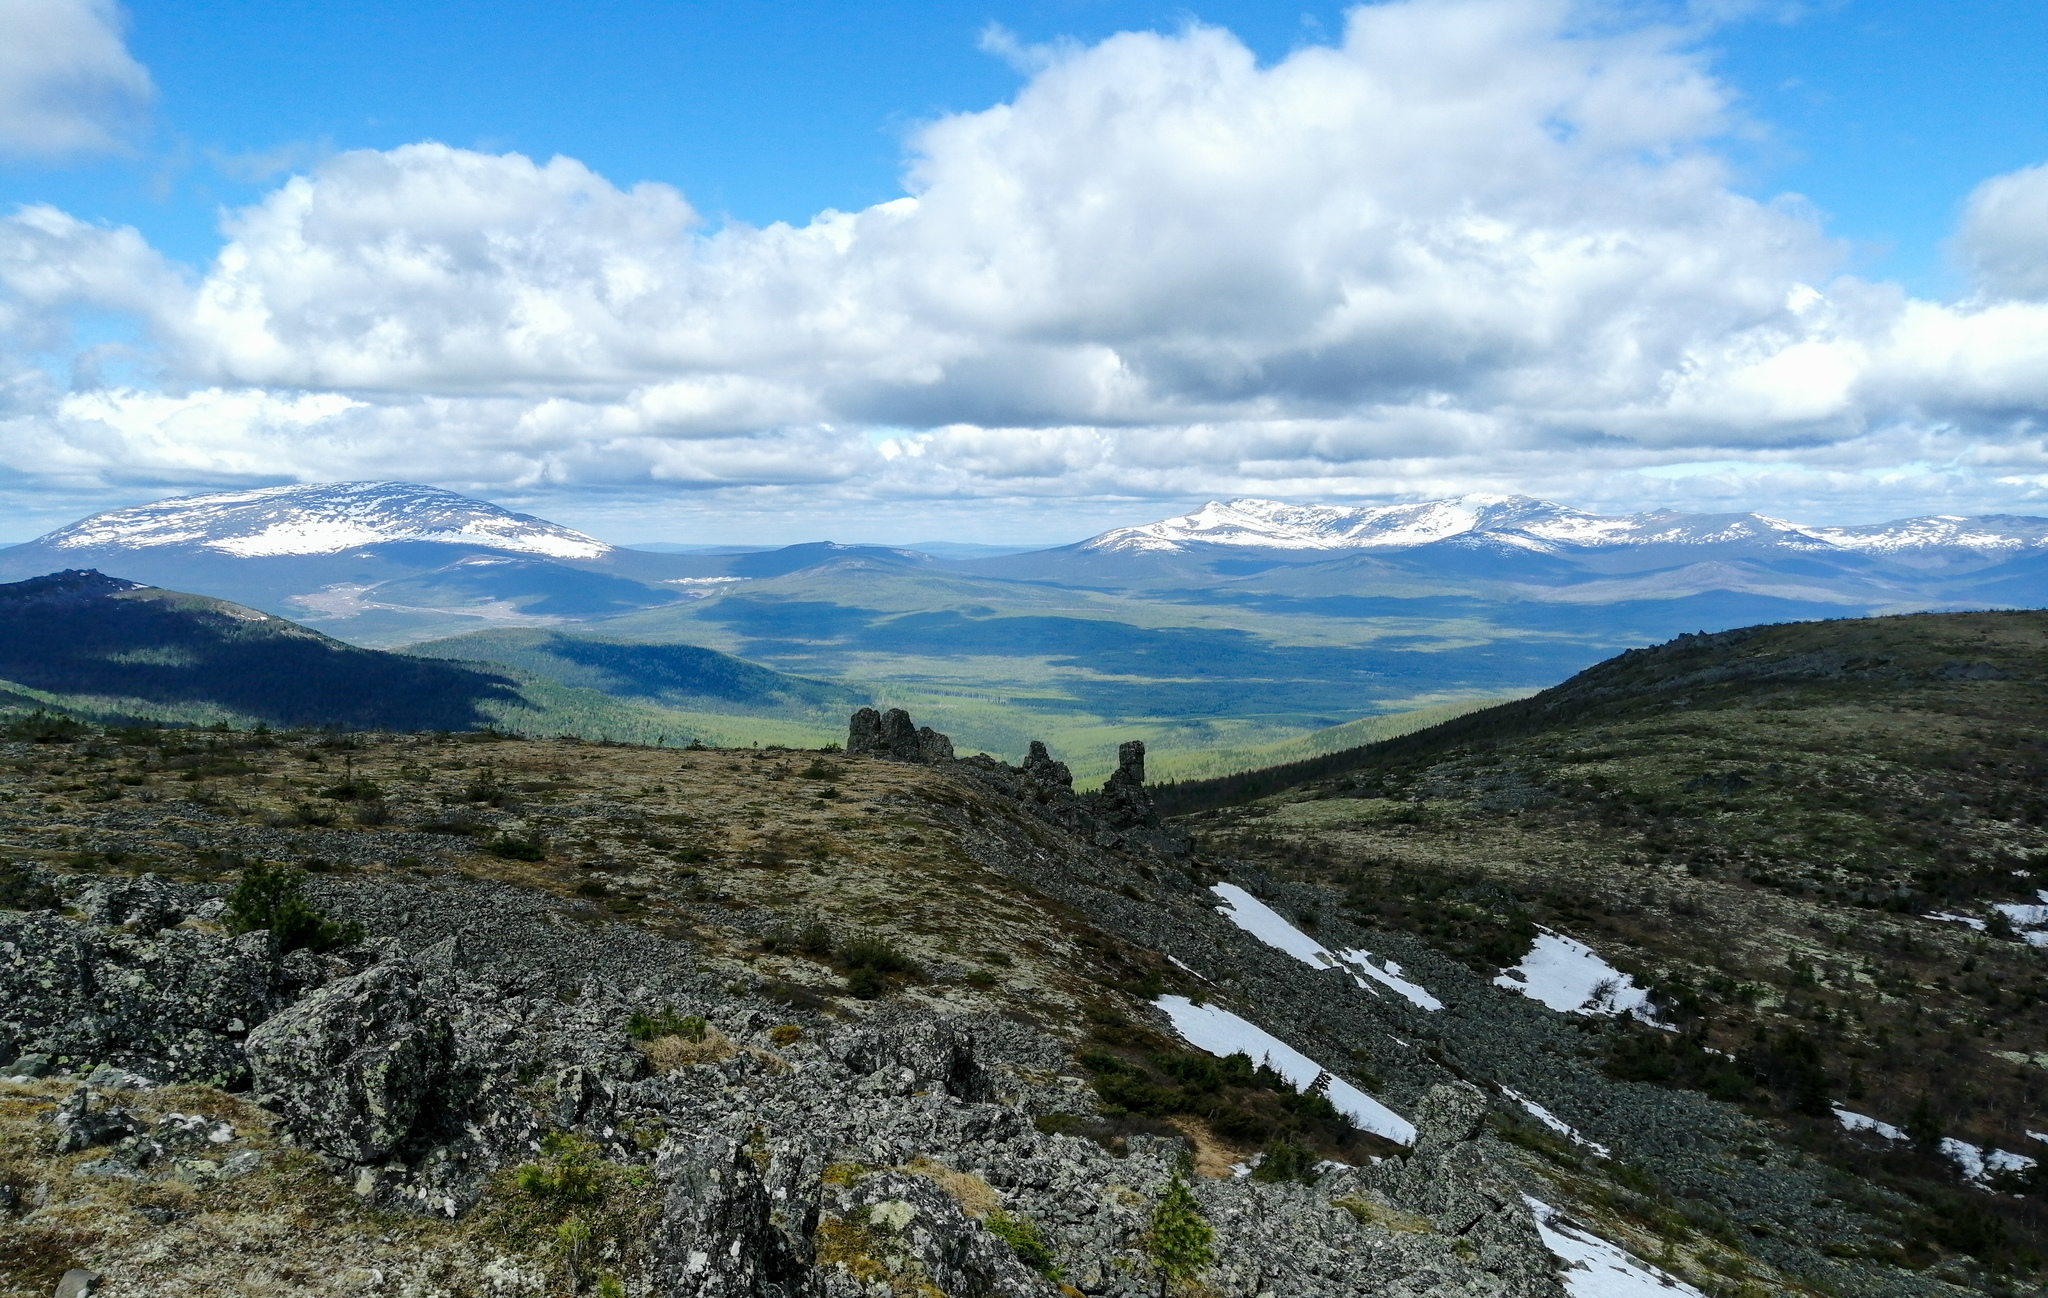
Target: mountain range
1239,626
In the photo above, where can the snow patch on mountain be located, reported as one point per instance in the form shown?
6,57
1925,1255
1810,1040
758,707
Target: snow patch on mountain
1266,924
1996,535
1528,523
1219,1032
1570,977
1276,525
1595,1268
324,518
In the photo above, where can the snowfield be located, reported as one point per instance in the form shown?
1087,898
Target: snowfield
1555,1123
1266,924
1977,1163
1594,1268
324,518
1221,1033
1570,977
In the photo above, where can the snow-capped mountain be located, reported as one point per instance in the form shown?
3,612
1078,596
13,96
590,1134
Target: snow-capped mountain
1527,523
322,518
1275,525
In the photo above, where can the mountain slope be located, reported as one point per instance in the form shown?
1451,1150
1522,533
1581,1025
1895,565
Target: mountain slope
325,518
1818,846
378,562
112,646
671,1022
673,675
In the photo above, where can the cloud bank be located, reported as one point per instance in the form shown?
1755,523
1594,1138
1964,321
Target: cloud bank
1481,243
67,82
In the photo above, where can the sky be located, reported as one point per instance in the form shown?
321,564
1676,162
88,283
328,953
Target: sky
1018,272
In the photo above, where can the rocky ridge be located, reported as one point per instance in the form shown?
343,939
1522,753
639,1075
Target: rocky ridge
750,1124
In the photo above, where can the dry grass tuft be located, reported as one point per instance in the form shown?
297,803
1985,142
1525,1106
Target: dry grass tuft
976,1197
666,1054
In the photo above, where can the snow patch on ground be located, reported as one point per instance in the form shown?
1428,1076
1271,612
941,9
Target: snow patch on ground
1947,918
1389,975
1555,1123
1977,1164
1594,1268
1864,1122
1570,977
1266,924
1221,1033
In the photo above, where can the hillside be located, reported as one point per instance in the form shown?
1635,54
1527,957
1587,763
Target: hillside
677,676
549,1016
106,647
1817,847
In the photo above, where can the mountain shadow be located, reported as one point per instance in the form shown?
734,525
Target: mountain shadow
125,647
675,675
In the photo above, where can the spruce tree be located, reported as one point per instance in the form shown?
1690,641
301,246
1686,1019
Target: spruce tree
1178,1240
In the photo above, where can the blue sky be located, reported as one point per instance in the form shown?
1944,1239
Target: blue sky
1884,118
1884,113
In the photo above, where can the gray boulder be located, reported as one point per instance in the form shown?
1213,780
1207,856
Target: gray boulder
907,1228
85,1121
171,1006
929,1056
350,1068
143,905
715,1239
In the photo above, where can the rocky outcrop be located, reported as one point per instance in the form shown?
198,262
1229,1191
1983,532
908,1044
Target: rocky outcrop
892,735
1123,802
915,1057
903,1231
1451,1192
171,1005
351,1067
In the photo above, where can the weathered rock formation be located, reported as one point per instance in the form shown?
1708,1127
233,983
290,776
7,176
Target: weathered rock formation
894,736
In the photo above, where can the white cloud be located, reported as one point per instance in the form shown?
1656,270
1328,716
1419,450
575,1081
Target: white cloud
2004,235
1481,243
67,82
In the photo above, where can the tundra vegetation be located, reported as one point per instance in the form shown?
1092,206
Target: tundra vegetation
898,1024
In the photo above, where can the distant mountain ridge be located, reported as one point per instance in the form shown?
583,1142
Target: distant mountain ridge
1542,525
323,518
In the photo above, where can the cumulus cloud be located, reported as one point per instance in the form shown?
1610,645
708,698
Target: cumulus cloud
1479,239
2004,235
67,82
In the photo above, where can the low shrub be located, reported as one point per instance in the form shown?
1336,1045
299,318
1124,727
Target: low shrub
1025,1241
270,897
516,849
642,1026
1286,1161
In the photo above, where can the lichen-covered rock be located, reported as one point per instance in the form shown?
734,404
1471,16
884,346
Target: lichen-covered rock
904,1231
172,1006
351,1066
84,1120
715,1239
142,905
921,1056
